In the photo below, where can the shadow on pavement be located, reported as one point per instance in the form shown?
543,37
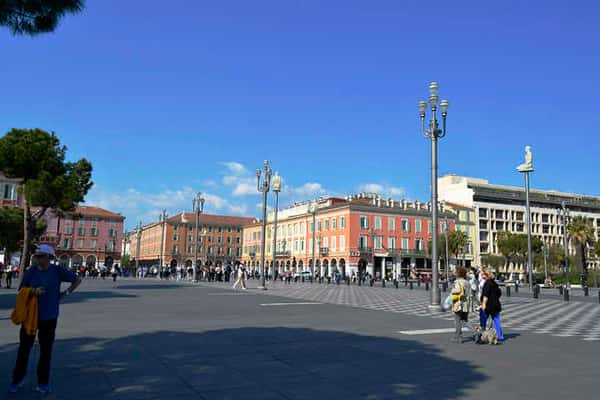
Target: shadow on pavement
8,300
251,363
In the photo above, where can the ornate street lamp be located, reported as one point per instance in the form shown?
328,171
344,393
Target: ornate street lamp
434,132
276,189
163,220
527,168
263,187
198,204
314,207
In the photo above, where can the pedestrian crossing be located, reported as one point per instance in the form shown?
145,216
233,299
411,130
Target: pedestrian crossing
540,316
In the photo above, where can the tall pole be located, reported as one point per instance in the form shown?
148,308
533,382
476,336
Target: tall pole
434,132
565,214
198,204
544,249
264,188
529,255
314,238
373,251
276,189
163,219
138,244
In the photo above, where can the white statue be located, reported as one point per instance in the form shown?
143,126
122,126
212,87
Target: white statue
528,165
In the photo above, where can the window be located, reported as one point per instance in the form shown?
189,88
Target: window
545,218
81,231
175,237
220,229
175,249
190,227
362,242
228,239
94,231
190,249
333,223
302,245
94,221
93,243
483,236
483,213
405,243
342,222
112,233
342,243
8,191
419,244
364,222
228,229
391,244
333,239
295,229
499,214
326,225
80,243
418,226
111,245
190,238
391,224
405,225
210,228
302,228
430,226
319,226
81,221
483,225
378,242
220,239
175,227
68,230
325,242
378,223
66,243
238,240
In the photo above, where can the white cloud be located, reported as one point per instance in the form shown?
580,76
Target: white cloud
245,189
239,179
307,191
384,190
146,207
236,168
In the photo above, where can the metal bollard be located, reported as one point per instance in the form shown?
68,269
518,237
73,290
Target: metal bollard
507,291
560,290
566,294
411,285
426,285
371,282
598,296
405,281
383,283
516,288
586,291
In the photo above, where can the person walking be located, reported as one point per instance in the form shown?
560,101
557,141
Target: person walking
460,303
490,303
8,271
114,272
241,278
45,278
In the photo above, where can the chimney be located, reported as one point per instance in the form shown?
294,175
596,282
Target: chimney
417,205
378,199
429,206
392,203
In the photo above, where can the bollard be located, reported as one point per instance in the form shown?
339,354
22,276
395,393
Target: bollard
406,281
371,282
396,283
419,283
598,296
560,290
411,285
328,280
586,291
426,285
302,279
536,291
516,288
507,291
383,283
566,294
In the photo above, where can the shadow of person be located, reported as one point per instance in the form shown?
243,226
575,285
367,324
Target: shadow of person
254,363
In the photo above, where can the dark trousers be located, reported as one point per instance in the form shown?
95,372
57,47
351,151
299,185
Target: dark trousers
8,279
46,331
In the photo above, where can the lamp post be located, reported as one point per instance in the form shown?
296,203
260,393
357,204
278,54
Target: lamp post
434,132
163,219
198,204
263,187
564,213
138,244
527,168
276,190
373,251
313,209
544,250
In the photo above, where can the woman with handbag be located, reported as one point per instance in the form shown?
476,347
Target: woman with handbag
490,303
460,303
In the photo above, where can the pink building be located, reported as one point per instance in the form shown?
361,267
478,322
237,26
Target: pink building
9,195
90,236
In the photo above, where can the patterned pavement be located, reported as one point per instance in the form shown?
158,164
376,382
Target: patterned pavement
540,316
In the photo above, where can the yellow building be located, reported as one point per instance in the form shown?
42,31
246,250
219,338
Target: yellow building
465,222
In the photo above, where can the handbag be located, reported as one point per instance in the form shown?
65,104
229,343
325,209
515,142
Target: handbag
447,304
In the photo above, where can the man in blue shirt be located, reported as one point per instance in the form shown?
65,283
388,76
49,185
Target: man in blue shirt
45,278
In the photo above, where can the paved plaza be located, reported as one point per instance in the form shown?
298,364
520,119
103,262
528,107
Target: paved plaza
153,339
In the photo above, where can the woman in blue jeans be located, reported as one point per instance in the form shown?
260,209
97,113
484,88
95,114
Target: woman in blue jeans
490,303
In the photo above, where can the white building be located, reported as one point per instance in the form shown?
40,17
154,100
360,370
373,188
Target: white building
502,208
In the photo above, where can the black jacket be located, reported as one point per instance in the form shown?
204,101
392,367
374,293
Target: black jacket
493,293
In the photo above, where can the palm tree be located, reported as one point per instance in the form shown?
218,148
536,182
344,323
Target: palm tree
457,241
32,17
581,230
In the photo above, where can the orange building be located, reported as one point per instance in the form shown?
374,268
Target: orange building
219,240
357,233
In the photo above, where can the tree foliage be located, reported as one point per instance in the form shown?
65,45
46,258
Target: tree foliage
32,17
513,247
48,181
493,261
581,231
11,229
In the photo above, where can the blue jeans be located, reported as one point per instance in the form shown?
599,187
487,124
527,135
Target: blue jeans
483,317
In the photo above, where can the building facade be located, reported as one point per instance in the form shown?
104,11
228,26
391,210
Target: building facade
502,208
89,236
9,195
465,222
360,233
219,241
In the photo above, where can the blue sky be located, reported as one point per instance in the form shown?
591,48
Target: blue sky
167,102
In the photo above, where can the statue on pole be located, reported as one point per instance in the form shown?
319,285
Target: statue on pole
527,166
